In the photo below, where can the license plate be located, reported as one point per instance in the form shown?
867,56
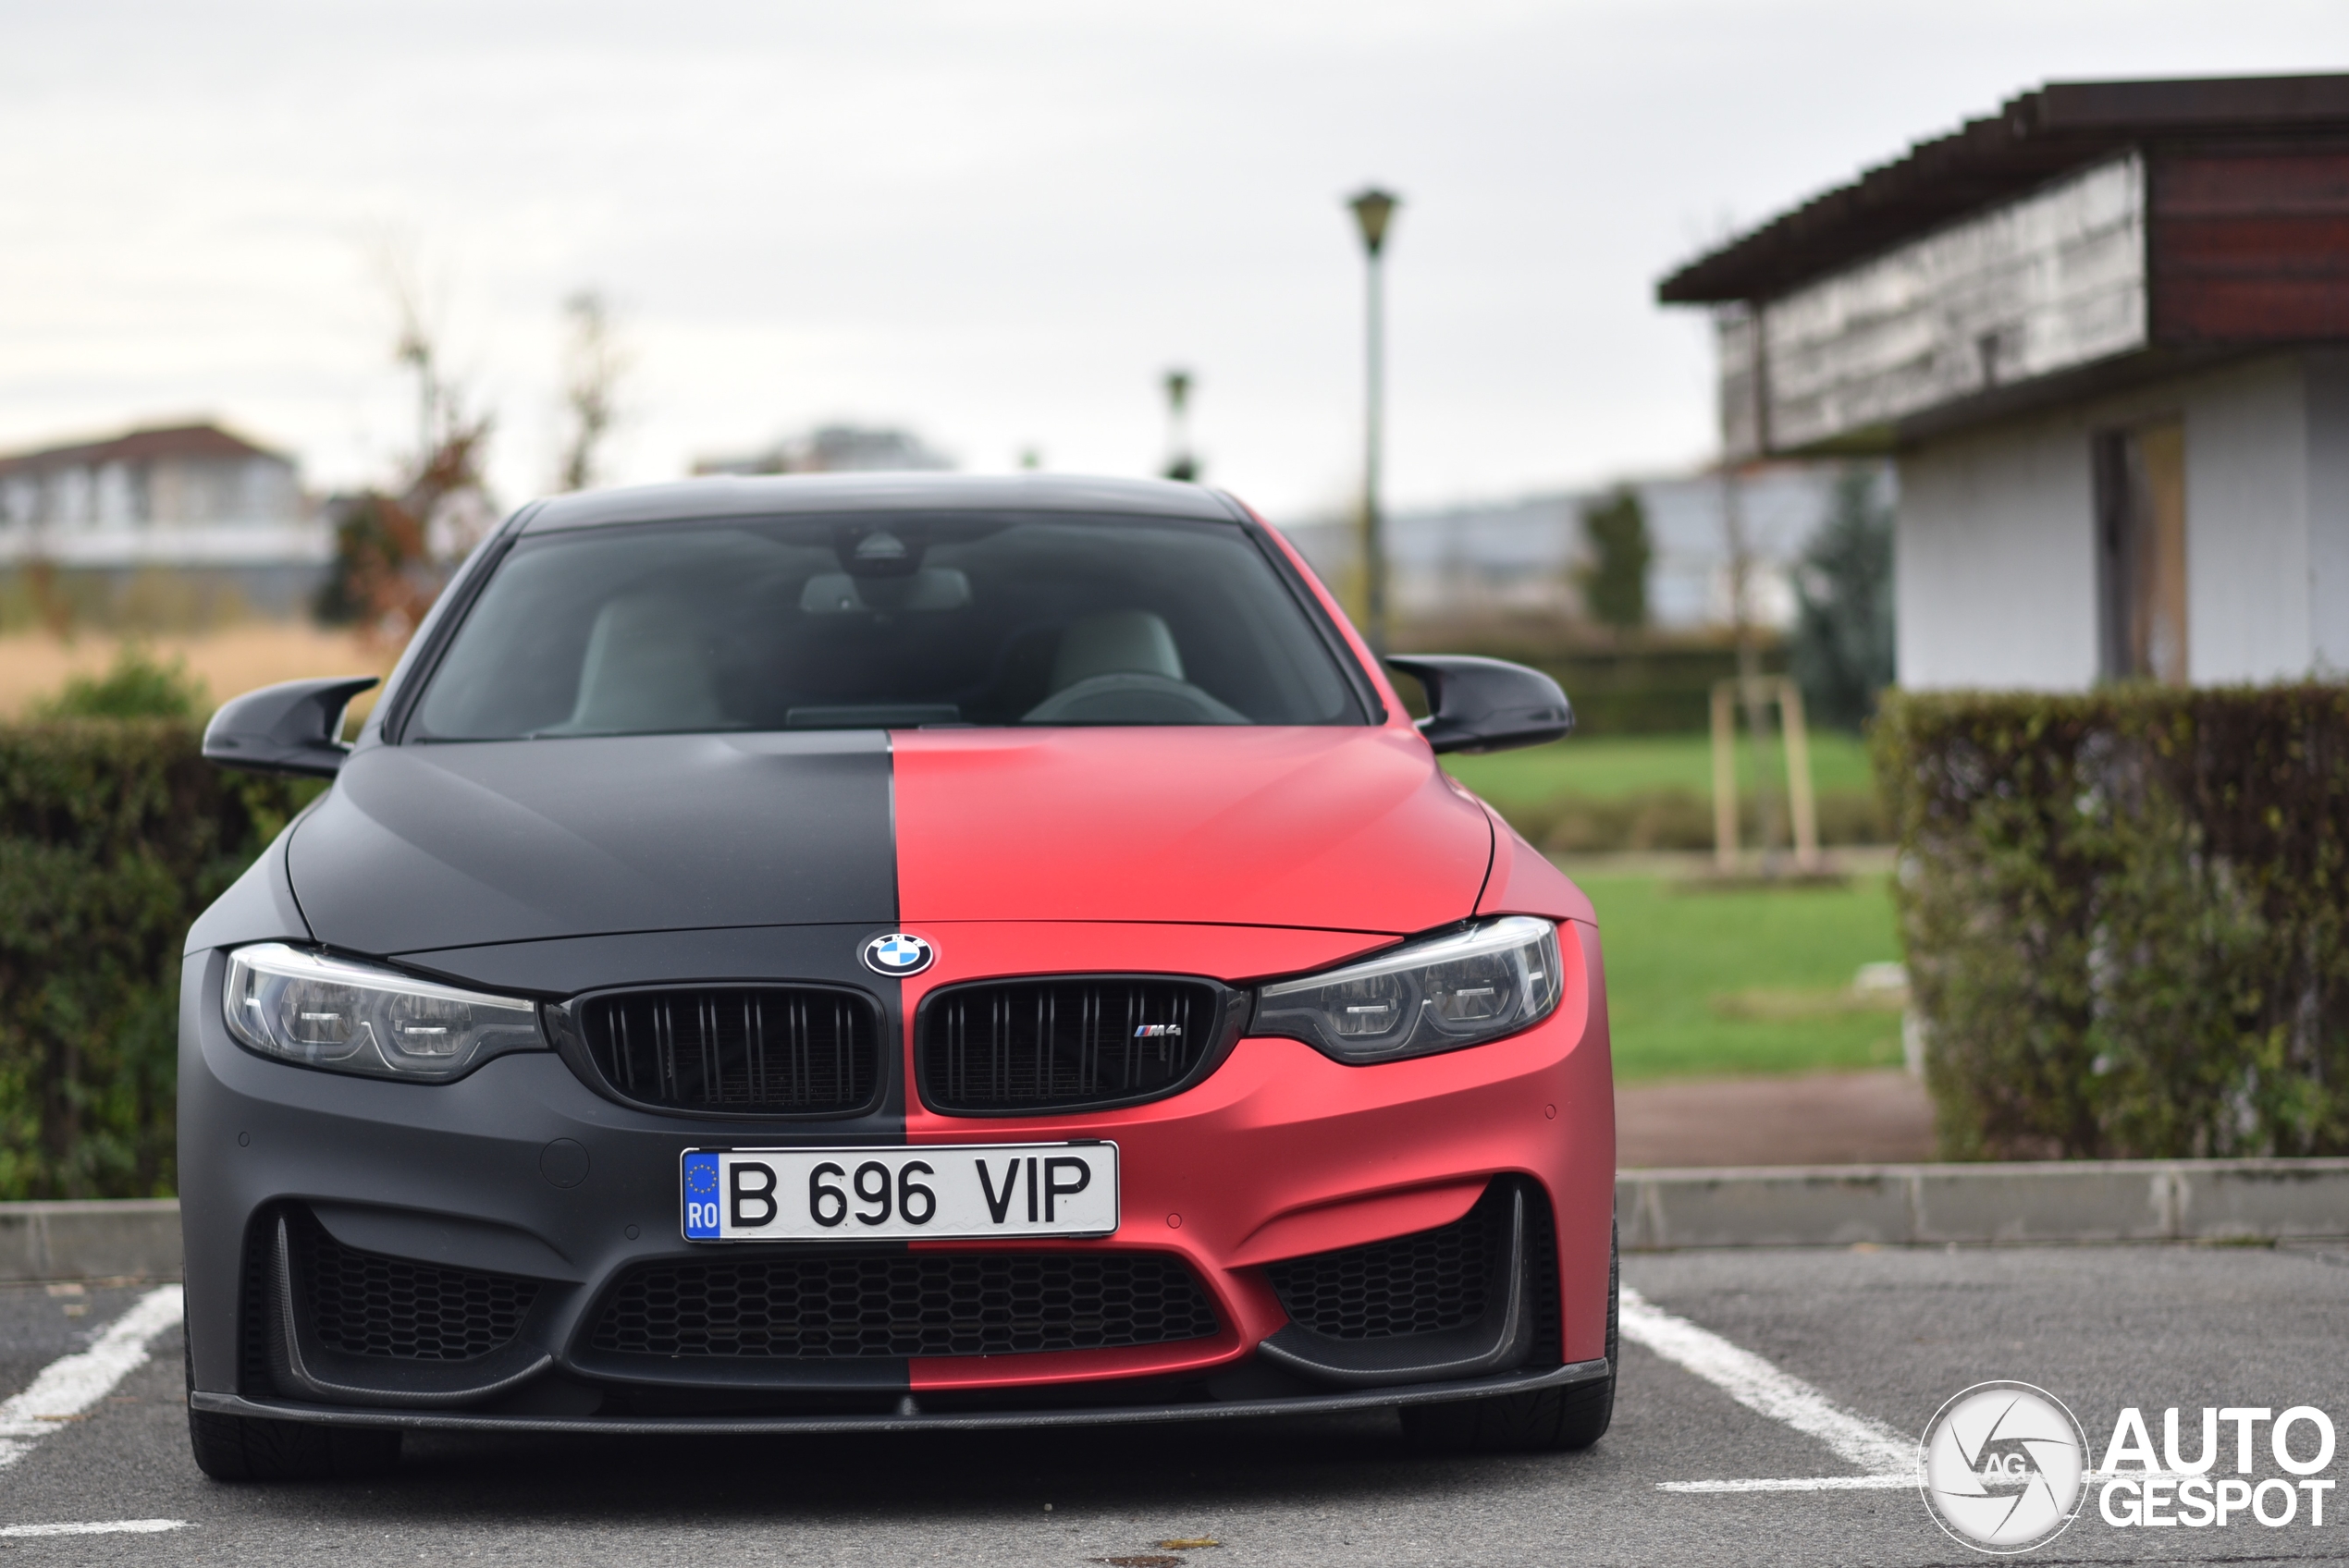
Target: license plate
942,1192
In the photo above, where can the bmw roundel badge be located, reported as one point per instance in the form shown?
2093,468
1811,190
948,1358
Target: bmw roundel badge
898,953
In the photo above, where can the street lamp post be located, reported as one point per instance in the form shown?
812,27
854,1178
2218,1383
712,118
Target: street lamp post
1180,462
1373,209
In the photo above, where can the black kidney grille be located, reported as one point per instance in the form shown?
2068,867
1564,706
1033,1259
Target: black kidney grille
739,1049
364,1304
1035,1044
1413,1284
925,1304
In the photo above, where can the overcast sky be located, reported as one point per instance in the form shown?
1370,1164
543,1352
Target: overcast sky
995,222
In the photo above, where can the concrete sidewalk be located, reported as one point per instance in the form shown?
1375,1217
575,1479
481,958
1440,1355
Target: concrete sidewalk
2118,1200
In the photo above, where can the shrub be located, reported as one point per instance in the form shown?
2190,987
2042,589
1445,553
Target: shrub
2124,914
1614,581
114,834
1674,818
1841,651
134,686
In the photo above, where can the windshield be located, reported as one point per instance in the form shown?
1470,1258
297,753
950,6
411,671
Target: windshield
883,620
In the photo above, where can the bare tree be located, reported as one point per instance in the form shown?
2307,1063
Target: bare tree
414,340
594,364
394,546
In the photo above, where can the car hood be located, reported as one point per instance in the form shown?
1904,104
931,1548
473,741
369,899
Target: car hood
425,847
1340,827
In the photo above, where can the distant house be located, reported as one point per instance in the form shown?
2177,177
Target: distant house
834,448
2105,335
1459,562
185,498
188,475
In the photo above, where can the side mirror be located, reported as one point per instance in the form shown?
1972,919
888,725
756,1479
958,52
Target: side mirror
1478,704
295,727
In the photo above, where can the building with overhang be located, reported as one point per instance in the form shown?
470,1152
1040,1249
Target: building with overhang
2105,335
193,502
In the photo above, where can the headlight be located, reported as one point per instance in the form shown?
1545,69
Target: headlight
1461,989
350,1017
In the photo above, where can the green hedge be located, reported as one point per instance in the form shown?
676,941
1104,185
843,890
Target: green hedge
1673,819
2127,917
114,836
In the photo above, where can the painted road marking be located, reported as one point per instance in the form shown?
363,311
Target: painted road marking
72,1384
104,1527
1800,1484
1888,1459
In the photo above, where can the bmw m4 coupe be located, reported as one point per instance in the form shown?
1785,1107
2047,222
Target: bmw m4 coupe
892,952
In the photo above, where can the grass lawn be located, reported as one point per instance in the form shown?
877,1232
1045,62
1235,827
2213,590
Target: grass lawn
1747,982
1627,765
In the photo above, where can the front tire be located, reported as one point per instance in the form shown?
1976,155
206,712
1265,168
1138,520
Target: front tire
1547,1419
244,1448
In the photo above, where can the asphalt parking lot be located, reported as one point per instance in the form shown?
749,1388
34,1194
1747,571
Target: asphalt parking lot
1880,1338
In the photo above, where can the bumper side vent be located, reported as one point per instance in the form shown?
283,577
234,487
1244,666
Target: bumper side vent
361,1303
1001,1048
1418,1284
900,1305
745,1050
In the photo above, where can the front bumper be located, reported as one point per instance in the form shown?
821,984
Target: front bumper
521,1170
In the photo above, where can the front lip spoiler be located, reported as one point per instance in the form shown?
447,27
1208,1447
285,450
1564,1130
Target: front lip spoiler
1569,1375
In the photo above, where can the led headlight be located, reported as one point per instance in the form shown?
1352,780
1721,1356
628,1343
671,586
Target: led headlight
349,1017
1462,988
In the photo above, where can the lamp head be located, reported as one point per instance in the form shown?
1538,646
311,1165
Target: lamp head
1372,209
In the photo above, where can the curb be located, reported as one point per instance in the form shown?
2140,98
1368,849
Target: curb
2121,1200
90,1239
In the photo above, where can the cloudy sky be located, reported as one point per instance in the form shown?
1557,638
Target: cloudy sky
995,223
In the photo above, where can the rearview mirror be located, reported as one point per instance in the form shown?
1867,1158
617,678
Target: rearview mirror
930,588
1478,705
294,727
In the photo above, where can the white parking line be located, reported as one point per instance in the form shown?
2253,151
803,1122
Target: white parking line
1799,1484
1888,1459
104,1527
72,1384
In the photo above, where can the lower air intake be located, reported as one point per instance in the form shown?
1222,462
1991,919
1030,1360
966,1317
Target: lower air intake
1416,1284
364,1304
930,1304
1061,1045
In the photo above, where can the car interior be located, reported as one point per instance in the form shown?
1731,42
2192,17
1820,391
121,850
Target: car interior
798,625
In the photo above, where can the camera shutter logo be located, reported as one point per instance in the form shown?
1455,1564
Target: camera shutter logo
2004,1467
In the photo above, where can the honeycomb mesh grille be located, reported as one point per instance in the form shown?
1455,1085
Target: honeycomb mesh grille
745,1048
1041,1044
1415,1284
931,1303
364,1304
1542,1268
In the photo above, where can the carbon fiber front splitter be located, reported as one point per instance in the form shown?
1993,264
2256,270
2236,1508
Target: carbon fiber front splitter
908,1417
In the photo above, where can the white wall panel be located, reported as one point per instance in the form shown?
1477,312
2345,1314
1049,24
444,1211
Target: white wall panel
2327,382
1995,575
2247,451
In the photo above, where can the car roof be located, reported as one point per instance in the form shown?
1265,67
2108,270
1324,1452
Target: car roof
733,496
